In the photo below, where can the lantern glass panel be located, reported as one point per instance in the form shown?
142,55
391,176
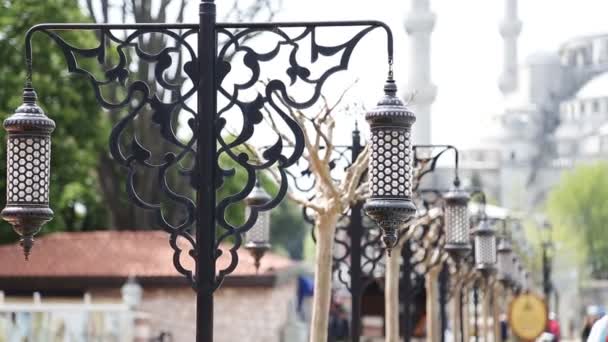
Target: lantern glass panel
485,249
457,223
28,167
391,163
260,232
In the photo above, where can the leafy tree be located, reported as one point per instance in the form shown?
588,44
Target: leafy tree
288,229
578,210
82,129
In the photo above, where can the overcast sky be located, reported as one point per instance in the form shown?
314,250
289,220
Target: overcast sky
466,48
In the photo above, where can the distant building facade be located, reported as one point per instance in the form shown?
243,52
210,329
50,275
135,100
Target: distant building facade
75,286
555,116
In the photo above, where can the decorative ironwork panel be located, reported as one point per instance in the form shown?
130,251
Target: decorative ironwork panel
146,76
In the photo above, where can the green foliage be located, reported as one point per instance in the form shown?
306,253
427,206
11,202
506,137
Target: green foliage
578,210
82,129
288,229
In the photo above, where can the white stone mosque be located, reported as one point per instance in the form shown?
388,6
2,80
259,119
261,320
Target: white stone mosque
555,111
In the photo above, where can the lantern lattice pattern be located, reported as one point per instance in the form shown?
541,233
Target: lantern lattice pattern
457,221
260,232
485,249
391,163
458,240
28,165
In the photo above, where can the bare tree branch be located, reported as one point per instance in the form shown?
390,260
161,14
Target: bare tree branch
91,10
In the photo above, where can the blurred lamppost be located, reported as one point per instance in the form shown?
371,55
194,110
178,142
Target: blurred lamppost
257,239
206,95
457,225
390,167
546,233
485,248
484,240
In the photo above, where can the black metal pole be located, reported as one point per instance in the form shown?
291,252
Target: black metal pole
356,231
461,294
206,163
475,305
546,281
405,291
443,297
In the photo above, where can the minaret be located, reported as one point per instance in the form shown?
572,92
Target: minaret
510,28
419,24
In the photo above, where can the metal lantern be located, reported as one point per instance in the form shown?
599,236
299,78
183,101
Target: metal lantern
515,281
390,167
485,247
526,281
504,260
257,239
458,240
28,169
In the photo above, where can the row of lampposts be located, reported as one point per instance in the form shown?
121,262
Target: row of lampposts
206,65
460,237
390,172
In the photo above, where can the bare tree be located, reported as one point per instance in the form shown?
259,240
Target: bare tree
332,198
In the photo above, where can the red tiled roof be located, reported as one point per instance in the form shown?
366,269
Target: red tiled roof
115,254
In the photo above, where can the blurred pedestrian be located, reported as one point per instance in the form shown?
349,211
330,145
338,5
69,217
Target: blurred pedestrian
592,316
599,330
554,327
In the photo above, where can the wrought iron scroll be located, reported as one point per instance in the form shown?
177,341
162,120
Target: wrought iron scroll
426,158
140,96
274,97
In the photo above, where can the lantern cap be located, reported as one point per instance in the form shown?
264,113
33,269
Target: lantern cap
484,229
390,110
258,195
29,117
457,196
504,246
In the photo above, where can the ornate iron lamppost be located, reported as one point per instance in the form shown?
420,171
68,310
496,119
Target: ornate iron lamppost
206,66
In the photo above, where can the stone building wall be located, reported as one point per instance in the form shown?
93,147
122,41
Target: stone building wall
244,314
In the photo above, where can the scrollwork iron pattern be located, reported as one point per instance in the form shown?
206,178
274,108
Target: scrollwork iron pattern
274,96
142,97
164,101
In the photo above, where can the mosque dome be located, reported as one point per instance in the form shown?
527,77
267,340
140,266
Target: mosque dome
542,58
596,87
